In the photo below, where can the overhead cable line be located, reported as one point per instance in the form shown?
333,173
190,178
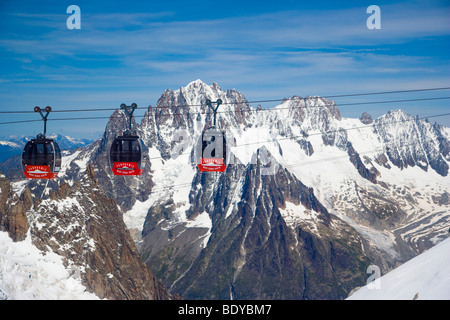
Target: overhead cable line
353,128
326,132
207,112
338,130
284,165
163,188
386,92
188,184
346,156
252,101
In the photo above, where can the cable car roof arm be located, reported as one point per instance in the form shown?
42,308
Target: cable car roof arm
129,111
209,103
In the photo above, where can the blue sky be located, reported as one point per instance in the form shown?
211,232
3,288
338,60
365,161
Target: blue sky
131,51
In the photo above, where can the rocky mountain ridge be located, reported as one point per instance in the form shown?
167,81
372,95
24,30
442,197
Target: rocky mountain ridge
253,248
86,229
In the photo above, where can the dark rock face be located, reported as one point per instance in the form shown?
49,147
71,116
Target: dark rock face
13,210
338,138
417,145
306,146
355,159
366,118
253,247
86,228
444,144
252,252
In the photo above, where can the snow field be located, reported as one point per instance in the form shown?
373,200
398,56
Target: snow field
26,273
425,277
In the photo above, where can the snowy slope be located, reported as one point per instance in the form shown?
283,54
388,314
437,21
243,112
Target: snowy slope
27,274
425,277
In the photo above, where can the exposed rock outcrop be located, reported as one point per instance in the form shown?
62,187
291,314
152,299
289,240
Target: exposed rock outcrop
13,210
85,227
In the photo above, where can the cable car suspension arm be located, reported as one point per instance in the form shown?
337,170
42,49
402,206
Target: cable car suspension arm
47,110
218,103
129,111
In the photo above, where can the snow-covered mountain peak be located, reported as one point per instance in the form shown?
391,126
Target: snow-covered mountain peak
186,109
196,83
410,141
199,84
395,116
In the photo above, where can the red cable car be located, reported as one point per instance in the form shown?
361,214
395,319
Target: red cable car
126,156
126,151
213,157
213,151
41,157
